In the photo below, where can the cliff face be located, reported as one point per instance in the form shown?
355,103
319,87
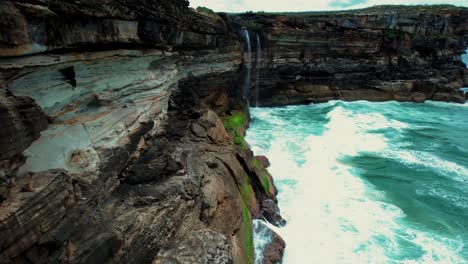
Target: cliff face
376,54
123,121
134,163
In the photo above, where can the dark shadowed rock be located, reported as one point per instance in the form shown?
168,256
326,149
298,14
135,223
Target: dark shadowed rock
272,213
22,122
374,54
148,121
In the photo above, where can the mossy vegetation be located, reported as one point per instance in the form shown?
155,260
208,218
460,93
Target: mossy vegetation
257,164
393,33
208,12
264,179
379,9
266,183
251,25
235,125
439,36
433,37
248,234
246,191
205,10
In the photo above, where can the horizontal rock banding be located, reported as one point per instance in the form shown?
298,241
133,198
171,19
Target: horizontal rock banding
139,105
375,54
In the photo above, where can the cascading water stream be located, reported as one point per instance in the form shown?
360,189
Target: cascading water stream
246,88
258,65
465,60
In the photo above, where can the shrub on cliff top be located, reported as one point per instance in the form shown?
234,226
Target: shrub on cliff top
205,10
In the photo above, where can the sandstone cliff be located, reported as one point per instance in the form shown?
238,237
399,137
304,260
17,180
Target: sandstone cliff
123,121
377,54
134,163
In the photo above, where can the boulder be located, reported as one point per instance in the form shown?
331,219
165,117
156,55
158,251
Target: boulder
272,213
264,161
274,251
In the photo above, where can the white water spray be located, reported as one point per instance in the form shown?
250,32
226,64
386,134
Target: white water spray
245,91
258,65
262,237
334,213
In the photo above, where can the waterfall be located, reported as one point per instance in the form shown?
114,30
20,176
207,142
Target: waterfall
258,65
246,89
465,60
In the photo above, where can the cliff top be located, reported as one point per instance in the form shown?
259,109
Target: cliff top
380,9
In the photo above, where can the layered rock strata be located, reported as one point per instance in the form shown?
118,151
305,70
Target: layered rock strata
376,54
123,121
134,163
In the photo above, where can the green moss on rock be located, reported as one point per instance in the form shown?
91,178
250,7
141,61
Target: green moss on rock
264,179
266,182
248,234
393,33
247,191
235,125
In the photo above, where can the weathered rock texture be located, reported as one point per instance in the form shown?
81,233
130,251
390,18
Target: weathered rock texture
22,122
122,122
376,54
134,164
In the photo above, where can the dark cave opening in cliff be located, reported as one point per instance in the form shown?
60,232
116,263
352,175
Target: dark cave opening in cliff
424,51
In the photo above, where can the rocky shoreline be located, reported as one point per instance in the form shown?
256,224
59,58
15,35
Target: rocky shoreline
407,54
124,121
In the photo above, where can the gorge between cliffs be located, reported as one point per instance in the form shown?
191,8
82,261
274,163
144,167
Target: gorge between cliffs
148,132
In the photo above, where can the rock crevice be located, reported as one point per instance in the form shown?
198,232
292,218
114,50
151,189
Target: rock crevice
123,122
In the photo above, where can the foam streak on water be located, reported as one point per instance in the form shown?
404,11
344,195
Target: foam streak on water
368,183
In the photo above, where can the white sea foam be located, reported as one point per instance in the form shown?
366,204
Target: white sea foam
418,159
262,237
451,198
445,104
333,215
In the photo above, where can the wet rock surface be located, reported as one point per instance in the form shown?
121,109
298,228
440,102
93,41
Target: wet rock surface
271,243
123,121
274,251
272,213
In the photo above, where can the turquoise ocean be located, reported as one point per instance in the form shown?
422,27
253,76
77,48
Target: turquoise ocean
363,182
